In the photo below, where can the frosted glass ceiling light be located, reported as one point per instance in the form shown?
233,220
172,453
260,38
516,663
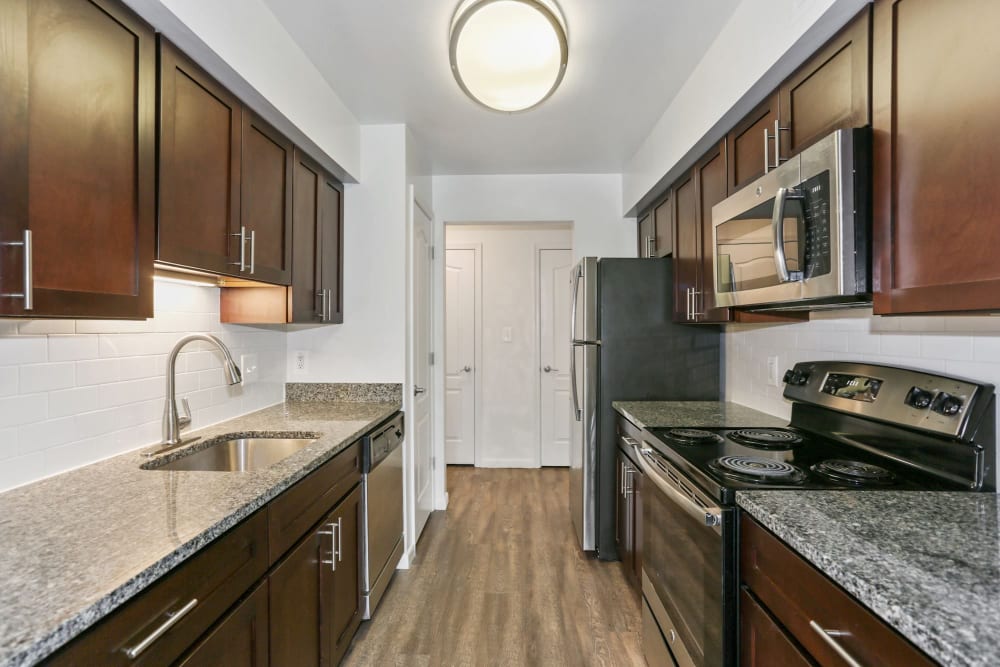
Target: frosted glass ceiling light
508,55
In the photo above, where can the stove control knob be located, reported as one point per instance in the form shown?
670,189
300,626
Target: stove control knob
919,398
796,377
947,405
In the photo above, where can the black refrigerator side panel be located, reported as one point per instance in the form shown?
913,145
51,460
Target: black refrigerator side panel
645,356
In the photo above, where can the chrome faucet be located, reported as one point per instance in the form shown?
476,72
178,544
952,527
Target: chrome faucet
172,423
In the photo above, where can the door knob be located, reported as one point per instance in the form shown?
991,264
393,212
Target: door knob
467,369
418,390
549,369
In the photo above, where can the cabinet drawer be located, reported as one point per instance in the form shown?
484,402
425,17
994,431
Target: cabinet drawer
295,511
762,641
801,598
206,585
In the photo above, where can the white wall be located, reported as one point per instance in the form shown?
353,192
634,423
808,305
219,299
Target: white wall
592,202
76,391
963,346
251,41
508,372
371,344
762,43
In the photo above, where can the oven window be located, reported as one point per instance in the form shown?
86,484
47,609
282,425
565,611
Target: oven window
683,560
745,247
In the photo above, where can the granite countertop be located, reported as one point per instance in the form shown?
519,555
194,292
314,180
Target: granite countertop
928,563
76,546
705,414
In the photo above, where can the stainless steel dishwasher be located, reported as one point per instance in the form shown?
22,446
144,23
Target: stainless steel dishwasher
382,509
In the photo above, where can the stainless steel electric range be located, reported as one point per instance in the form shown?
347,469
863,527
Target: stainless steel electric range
854,427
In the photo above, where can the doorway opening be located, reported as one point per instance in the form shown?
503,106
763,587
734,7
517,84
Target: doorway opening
506,355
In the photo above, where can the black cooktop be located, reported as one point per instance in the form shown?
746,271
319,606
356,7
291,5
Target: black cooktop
724,461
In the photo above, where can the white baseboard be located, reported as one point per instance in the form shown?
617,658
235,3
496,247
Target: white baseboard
507,463
407,558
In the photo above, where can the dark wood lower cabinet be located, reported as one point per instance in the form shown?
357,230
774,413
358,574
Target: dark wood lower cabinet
790,610
239,640
344,588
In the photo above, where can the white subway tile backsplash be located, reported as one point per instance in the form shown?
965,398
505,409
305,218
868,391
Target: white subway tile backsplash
74,392
946,347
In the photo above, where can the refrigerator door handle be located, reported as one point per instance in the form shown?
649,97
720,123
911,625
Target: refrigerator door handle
572,375
577,273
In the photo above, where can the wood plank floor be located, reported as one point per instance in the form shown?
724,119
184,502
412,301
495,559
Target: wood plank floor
499,580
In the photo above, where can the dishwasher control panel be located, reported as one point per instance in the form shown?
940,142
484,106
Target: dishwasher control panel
381,442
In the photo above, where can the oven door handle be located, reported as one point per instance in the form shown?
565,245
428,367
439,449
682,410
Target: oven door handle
709,516
778,229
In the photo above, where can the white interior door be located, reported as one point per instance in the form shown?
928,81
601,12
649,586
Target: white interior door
460,356
554,349
422,406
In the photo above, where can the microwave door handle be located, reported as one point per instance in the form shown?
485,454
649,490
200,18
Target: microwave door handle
778,228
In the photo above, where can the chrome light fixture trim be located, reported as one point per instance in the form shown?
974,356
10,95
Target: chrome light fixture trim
548,9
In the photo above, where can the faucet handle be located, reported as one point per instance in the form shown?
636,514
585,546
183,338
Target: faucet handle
184,420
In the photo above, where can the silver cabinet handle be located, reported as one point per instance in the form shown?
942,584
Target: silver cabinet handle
242,236
253,248
777,146
28,294
695,314
549,369
322,305
329,304
650,246
767,158
173,617
340,539
333,545
829,637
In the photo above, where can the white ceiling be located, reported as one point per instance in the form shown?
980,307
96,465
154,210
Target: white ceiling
388,62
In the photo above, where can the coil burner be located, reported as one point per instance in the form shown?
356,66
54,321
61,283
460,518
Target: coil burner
854,472
766,438
758,470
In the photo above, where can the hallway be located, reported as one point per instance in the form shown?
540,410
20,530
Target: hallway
499,581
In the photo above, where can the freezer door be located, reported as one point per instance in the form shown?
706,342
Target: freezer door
584,286
583,447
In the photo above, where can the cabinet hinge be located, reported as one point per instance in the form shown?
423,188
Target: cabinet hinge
430,358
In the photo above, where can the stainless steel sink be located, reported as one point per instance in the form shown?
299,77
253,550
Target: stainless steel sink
236,454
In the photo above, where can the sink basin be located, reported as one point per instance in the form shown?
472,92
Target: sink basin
235,454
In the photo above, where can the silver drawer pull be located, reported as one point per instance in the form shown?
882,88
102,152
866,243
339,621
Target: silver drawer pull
242,236
173,617
253,248
334,527
29,291
829,636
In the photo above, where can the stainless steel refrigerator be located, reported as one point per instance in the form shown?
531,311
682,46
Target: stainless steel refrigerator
626,347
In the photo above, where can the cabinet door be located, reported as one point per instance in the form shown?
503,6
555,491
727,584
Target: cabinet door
831,90
687,246
936,154
305,303
711,180
749,152
647,235
663,228
621,513
295,585
78,173
266,201
342,580
762,641
636,502
199,200
330,255
239,640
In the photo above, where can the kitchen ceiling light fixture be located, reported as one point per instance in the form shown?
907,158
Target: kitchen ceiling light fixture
508,55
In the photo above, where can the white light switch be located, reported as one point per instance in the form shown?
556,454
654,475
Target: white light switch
506,335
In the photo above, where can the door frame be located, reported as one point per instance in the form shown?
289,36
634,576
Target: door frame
537,280
477,355
435,390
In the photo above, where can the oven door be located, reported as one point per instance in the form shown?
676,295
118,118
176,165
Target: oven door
684,566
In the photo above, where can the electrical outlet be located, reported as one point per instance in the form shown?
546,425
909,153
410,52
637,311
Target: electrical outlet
772,372
249,369
300,362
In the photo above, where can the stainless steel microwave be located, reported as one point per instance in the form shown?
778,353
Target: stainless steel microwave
798,238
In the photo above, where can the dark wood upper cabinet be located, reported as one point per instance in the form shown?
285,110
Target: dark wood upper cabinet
646,235
711,178
200,152
747,148
936,154
663,227
78,171
687,246
266,200
831,90
331,244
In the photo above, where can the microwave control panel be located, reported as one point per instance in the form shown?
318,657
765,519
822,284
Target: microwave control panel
816,214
